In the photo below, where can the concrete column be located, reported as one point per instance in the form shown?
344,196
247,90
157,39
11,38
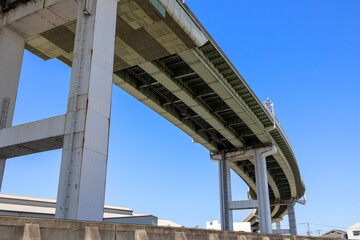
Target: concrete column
292,219
278,223
11,56
262,190
84,158
225,194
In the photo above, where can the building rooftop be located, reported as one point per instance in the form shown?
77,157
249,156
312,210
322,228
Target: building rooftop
24,206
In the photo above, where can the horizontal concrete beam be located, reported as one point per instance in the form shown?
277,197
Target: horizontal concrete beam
245,204
245,154
34,137
281,231
38,16
250,204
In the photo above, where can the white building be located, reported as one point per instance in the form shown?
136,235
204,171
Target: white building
167,223
353,232
238,226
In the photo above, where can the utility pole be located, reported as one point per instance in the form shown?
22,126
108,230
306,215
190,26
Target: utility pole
308,232
318,232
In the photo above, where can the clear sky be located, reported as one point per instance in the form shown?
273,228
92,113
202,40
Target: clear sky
303,55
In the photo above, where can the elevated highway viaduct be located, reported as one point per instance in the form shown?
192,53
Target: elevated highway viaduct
157,51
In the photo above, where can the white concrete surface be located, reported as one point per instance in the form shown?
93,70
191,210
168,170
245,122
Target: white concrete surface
39,16
81,189
237,226
11,44
185,21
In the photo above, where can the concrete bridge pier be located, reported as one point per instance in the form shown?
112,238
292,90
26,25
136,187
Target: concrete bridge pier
262,203
278,223
278,229
81,189
11,55
292,219
225,194
262,188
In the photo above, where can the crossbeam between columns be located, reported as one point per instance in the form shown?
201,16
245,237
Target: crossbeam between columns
245,204
281,231
33,137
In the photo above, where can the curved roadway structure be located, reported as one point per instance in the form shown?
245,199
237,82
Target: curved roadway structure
166,59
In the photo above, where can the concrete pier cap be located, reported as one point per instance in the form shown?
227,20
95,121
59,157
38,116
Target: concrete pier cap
244,153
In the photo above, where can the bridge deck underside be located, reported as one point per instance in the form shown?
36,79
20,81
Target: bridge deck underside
154,62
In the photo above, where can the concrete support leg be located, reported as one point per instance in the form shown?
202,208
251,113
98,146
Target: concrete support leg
214,236
92,233
31,232
292,219
262,190
84,159
225,194
278,223
11,56
180,236
141,234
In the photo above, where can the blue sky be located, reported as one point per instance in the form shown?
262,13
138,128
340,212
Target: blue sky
303,55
